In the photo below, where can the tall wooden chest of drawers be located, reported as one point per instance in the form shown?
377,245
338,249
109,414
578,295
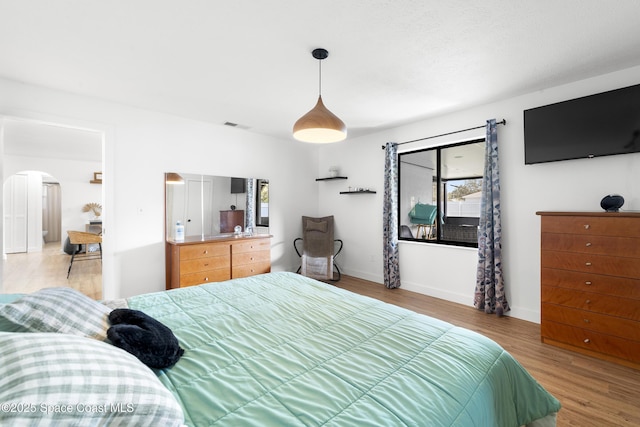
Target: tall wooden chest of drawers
196,261
590,277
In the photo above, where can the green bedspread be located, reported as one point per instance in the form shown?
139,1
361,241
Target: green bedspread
283,350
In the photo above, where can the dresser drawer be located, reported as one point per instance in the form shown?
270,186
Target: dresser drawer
593,341
597,226
195,261
590,244
589,282
251,246
217,275
246,270
616,326
599,303
251,257
203,250
598,264
203,264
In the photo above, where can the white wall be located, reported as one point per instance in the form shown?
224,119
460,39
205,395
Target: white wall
449,272
139,147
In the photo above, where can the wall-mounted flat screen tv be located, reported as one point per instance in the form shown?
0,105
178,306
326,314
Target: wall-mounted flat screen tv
597,125
238,185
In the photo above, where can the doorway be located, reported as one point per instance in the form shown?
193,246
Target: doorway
51,212
32,212
72,157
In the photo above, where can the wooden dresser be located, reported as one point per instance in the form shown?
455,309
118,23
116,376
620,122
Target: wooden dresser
195,261
590,276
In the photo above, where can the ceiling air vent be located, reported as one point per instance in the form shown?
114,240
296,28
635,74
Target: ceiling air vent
236,125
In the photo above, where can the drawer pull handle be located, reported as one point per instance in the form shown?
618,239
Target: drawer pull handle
588,301
587,263
586,226
587,341
588,244
587,283
205,252
587,321
206,279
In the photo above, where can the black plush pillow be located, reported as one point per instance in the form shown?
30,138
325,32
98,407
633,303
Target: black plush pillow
144,337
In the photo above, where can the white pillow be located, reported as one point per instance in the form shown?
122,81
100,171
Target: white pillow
63,310
58,379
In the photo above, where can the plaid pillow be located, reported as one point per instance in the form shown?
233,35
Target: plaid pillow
58,379
63,310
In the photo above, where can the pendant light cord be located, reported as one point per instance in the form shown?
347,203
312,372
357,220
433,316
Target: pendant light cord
319,77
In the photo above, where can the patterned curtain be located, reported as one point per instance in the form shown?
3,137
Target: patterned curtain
250,214
390,218
490,294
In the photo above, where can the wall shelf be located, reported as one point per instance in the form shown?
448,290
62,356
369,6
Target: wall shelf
358,192
331,178
97,178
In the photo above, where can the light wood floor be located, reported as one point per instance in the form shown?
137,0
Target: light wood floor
592,392
28,272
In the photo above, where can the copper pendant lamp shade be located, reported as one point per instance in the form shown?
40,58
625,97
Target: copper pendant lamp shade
173,178
319,125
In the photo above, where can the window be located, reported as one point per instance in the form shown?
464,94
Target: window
262,203
440,189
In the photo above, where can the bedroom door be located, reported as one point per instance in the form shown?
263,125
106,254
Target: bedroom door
15,214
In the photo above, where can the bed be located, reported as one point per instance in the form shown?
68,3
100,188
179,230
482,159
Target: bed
281,349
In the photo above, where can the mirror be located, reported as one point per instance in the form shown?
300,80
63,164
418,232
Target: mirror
209,206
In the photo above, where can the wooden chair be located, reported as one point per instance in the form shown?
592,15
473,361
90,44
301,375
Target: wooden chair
82,238
424,216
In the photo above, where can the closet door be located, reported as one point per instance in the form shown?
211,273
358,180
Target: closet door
199,195
15,214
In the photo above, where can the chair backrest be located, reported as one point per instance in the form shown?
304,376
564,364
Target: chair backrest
317,236
423,214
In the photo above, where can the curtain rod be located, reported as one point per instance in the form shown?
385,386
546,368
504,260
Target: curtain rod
501,122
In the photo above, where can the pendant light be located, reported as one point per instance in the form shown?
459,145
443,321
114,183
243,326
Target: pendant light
319,125
173,178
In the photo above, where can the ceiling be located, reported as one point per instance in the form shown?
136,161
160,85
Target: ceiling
390,62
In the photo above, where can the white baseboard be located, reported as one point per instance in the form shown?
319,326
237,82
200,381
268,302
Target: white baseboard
444,294
459,298
362,275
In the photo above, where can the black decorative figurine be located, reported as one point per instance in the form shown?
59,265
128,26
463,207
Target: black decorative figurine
612,202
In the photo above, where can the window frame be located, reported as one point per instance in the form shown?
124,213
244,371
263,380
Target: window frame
439,193
261,221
